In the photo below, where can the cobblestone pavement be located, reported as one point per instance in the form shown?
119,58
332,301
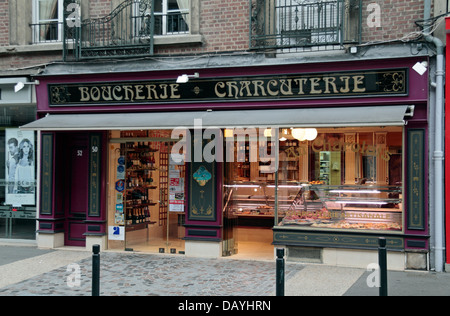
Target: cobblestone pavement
34,272
125,274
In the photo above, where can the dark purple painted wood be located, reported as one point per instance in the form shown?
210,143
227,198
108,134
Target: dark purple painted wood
76,188
418,89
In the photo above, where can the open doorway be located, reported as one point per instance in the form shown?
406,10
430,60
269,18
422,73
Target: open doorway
147,193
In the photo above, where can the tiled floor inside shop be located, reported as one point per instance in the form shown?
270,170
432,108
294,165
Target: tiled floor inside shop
253,243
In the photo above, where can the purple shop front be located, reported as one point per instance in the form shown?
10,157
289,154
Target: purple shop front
87,122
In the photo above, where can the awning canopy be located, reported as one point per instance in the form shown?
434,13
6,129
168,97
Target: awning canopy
311,117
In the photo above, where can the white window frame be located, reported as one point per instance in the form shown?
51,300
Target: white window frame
37,20
164,14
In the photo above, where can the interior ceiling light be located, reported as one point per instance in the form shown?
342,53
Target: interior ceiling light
311,134
299,133
303,134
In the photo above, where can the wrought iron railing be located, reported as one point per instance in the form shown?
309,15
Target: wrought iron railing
171,23
48,32
300,24
127,31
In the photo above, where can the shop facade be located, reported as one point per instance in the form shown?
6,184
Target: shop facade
17,160
320,158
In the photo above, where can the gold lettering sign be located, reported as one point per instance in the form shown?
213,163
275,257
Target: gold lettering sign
342,84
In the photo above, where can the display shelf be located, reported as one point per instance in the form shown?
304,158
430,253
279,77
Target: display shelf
325,165
263,169
140,172
163,187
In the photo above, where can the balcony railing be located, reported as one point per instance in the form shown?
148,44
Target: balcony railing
126,31
129,30
48,32
304,24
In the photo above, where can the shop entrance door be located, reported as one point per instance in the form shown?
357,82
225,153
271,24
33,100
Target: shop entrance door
148,193
230,221
76,189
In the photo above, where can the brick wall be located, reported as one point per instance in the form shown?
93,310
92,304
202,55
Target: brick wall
224,26
397,19
99,8
11,61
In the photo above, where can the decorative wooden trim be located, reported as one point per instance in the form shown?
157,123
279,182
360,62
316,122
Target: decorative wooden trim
46,196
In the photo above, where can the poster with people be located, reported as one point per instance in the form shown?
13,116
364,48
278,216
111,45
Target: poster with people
20,167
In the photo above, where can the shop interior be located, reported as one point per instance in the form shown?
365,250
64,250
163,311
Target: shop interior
328,178
146,192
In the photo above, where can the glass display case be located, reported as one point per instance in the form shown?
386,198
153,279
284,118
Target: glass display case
360,207
316,206
252,203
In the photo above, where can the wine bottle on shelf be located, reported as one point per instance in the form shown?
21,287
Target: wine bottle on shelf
147,214
133,217
129,219
130,182
152,161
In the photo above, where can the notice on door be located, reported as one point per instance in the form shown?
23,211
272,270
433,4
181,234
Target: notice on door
176,191
116,233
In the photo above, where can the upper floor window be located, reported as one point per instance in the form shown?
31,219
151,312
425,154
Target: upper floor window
133,28
309,22
304,25
172,17
47,21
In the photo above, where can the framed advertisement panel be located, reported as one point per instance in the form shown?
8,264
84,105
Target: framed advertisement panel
20,167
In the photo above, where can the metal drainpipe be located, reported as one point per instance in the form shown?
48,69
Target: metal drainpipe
438,154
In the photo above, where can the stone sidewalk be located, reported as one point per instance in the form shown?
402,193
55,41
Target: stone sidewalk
27,271
56,273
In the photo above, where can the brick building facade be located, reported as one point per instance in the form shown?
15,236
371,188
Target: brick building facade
224,27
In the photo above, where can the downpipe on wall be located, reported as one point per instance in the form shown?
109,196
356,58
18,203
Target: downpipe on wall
438,155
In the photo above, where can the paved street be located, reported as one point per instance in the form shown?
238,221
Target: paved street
143,274
27,271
